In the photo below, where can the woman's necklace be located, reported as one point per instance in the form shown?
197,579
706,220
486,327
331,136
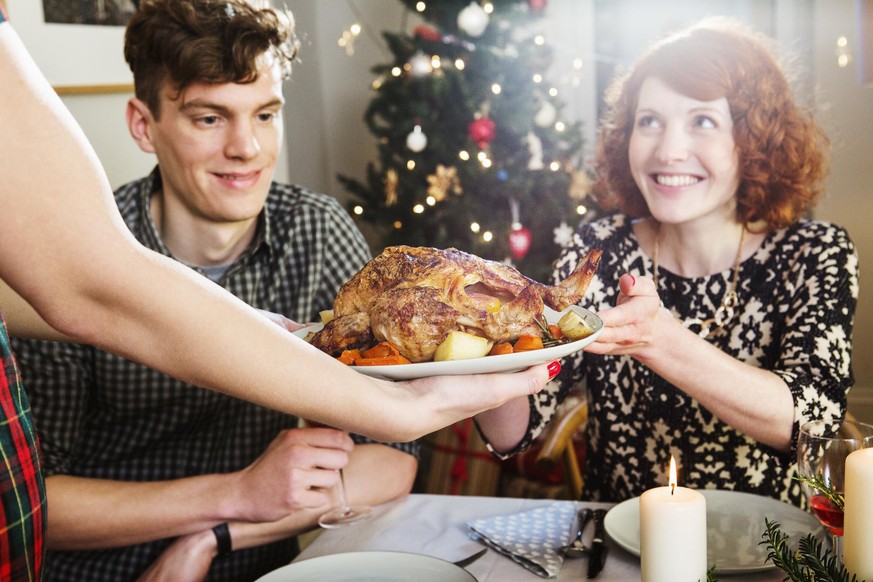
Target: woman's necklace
726,310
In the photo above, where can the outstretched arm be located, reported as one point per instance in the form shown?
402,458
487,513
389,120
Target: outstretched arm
67,252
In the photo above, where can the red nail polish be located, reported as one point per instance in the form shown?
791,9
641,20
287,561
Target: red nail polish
633,280
554,369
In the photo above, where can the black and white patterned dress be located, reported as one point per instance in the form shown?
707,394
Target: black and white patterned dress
797,296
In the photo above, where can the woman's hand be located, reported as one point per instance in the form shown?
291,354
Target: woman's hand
419,407
637,318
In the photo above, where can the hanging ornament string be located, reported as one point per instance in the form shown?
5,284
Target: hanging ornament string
729,302
520,238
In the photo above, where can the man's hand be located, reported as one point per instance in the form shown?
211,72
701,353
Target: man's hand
298,470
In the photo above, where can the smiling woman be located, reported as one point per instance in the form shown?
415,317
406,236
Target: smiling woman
682,153
721,328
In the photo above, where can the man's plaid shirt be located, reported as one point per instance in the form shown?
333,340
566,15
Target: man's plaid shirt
101,416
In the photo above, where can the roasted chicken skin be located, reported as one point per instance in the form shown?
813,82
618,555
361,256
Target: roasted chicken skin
414,296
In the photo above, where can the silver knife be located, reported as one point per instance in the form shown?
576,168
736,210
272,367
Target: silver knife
597,555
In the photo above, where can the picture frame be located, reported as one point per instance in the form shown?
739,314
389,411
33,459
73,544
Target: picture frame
75,58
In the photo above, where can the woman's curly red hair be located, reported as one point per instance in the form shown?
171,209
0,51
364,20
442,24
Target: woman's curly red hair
783,152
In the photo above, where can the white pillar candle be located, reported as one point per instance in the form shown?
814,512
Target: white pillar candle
858,515
673,533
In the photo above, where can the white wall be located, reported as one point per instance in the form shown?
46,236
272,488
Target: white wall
102,118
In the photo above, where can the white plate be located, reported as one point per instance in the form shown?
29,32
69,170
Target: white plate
370,567
488,364
734,526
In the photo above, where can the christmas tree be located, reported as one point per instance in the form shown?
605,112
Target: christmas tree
473,151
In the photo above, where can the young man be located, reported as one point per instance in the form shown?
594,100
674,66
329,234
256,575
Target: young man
144,471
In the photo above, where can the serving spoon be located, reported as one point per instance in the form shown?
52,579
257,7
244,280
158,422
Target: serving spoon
577,548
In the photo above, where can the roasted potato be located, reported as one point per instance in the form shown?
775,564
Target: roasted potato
460,345
574,327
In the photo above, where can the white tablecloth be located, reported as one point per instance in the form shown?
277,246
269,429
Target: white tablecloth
435,525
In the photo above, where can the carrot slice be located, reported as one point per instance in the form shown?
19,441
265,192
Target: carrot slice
555,331
500,349
526,343
391,360
348,357
380,350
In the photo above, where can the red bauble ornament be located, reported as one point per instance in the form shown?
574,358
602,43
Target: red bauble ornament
537,5
519,241
427,33
482,131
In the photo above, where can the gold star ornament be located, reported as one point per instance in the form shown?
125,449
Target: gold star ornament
443,181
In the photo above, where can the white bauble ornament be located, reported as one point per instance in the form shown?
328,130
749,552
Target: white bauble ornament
546,115
473,19
416,141
420,65
535,147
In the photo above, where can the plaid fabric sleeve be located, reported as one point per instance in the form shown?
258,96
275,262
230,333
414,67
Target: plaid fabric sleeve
22,489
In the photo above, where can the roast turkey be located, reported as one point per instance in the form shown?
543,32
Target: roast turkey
414,296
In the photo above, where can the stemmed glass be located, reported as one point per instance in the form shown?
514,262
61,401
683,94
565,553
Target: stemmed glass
821,464
343,514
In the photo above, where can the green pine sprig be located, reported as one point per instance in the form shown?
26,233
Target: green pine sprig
712,574
810,562
816,482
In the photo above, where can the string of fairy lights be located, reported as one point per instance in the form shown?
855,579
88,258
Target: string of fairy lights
472,20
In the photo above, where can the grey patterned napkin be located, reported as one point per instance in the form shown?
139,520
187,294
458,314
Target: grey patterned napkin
531,537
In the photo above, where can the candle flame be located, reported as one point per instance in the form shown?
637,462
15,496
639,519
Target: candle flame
673,480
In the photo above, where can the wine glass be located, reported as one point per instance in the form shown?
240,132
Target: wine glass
343,514
822,448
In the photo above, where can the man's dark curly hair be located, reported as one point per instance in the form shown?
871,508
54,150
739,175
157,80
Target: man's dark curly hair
783,152
204,41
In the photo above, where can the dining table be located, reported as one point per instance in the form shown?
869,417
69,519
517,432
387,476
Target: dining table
436,525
